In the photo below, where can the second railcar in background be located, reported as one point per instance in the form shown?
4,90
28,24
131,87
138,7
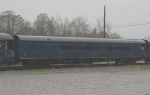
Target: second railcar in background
45,50
7,49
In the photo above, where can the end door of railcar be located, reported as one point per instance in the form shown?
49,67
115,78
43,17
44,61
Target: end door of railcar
10,53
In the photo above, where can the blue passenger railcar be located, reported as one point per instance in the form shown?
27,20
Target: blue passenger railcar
7,52
44,50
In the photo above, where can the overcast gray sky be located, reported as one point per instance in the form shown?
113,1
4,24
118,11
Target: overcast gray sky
129,18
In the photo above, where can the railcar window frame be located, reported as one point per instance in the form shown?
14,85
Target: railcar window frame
117,47
77,47
54,47
88,47
66,47
108,48
126,48
98,47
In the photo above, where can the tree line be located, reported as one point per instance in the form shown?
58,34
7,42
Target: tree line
55,26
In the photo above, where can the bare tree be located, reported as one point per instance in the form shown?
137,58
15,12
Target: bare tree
10,23
108,34
115,36
51,27
67,28
26,29
100,28
59,25
80,26
94,33
62,26
41,24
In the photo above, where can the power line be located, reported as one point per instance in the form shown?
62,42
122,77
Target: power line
128,7
129,16
131,25
125,11
130,4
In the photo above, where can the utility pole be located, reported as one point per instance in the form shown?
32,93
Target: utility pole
104,21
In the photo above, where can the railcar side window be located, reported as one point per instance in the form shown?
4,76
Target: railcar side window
98,47
117,47
66,47
126,48
41,47
32,47
77,47
108,47
88,48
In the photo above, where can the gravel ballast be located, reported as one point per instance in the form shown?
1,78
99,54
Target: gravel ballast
76,81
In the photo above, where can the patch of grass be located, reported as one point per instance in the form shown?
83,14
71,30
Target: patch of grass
27,71
144,66
139,66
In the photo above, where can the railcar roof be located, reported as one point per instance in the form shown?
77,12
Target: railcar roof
77,39
4,36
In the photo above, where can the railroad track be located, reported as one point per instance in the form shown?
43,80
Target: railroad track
58,66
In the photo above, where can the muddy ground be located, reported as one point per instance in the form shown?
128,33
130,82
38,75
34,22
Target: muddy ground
76,81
